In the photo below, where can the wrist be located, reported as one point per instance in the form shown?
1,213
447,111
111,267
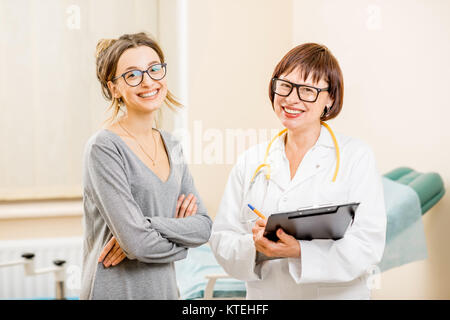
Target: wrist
299,250
296,251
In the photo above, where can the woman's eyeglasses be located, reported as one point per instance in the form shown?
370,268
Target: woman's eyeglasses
305,93
135,77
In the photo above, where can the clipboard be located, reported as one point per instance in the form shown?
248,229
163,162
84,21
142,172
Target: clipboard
330,222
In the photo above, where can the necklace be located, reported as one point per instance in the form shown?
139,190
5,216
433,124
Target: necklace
156,149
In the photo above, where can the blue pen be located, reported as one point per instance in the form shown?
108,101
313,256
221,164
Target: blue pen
256,211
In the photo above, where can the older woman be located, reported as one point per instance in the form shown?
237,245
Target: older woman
305,165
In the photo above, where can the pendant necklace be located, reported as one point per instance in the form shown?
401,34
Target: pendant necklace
156,149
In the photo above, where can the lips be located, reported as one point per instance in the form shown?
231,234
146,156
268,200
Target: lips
292,112
148,94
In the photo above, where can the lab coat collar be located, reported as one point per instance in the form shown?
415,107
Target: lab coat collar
324,140
279,163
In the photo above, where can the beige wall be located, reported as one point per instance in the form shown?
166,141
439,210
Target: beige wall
233,49
48,227
394,56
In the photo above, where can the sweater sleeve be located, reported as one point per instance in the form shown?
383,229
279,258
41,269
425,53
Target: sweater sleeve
109,189
191,231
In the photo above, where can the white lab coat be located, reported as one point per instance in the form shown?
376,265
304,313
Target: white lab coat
327,269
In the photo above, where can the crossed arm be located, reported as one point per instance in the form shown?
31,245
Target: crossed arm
112,254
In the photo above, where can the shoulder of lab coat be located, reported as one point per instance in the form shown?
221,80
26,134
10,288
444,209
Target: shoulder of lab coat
362,247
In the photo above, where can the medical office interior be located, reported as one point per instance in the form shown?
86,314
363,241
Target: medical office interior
220,55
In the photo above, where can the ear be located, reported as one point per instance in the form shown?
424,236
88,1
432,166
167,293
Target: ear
113,89
330,103
327,108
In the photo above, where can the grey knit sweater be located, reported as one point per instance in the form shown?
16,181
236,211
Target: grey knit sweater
124,198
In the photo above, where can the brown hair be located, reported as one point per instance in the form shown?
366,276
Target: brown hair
108,52
317,60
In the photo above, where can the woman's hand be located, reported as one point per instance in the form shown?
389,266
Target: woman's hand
112,254
186,206
286,247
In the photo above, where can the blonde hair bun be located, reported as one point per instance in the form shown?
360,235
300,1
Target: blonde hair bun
102,45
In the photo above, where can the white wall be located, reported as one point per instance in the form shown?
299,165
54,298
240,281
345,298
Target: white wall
394,56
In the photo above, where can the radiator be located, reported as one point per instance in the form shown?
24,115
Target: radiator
14,284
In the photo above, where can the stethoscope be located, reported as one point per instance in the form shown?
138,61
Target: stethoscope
249,216
267,165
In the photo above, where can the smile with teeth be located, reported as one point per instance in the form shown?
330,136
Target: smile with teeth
148,94
292,111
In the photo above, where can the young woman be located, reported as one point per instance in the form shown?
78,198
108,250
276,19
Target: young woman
305,165
142,211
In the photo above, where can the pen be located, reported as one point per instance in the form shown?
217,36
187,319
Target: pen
256,211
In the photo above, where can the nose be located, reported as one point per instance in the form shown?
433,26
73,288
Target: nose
293,97
146,80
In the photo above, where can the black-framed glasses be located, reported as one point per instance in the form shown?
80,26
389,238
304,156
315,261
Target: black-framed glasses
135,77
305,93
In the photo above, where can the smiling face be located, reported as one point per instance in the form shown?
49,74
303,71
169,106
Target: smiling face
296,114
149,95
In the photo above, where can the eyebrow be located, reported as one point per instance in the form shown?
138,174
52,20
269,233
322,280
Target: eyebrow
302,84
136,68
